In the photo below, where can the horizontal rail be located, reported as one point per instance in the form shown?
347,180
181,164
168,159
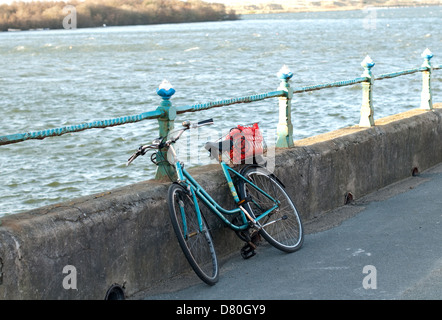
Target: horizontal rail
361,79
40,135
331,85
400,73
228,102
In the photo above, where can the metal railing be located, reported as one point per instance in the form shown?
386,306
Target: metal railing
166,112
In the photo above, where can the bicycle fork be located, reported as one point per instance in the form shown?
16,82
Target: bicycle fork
188,234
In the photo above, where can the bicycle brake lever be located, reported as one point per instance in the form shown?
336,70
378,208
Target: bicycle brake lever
132,158
139,152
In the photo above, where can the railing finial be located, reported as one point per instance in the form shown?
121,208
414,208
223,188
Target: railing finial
367,64
427,54
285,73
165,90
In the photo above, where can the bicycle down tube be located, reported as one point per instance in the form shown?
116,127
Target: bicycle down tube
199,192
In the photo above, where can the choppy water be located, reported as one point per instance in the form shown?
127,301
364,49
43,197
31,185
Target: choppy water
62,77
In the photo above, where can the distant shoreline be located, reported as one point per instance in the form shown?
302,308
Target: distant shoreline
78,14
240,11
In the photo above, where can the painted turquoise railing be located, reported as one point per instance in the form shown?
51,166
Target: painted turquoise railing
166,112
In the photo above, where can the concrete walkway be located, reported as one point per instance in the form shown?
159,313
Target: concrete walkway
387,245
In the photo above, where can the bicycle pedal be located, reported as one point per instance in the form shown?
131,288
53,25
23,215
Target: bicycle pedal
248,251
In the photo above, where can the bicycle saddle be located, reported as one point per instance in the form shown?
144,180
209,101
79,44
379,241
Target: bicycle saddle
215,148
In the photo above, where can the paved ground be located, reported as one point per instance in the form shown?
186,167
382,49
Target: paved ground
383,246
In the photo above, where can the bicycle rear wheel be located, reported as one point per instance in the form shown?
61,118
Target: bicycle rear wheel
282,228
197,244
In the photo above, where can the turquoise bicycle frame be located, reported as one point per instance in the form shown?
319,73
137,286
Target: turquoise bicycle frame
186,180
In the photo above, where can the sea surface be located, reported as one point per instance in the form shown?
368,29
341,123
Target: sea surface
54,78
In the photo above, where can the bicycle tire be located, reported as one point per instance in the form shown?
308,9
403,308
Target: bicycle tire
286,233
197,246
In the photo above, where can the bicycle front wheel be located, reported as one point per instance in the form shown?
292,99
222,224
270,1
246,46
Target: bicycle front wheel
195,239
282,227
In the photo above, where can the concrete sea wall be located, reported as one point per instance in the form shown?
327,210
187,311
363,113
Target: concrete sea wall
80,248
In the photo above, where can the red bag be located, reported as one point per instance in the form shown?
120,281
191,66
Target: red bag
246,142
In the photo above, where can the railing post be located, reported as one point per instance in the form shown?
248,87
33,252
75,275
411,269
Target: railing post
285,127
166,125
426,99
367,110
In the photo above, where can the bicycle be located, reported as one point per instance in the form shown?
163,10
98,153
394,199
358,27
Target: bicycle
263,207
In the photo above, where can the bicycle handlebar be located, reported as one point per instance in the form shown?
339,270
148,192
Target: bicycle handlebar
140,152
205,122
189,124
161,143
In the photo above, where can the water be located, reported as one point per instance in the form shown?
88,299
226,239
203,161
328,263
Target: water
63,77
